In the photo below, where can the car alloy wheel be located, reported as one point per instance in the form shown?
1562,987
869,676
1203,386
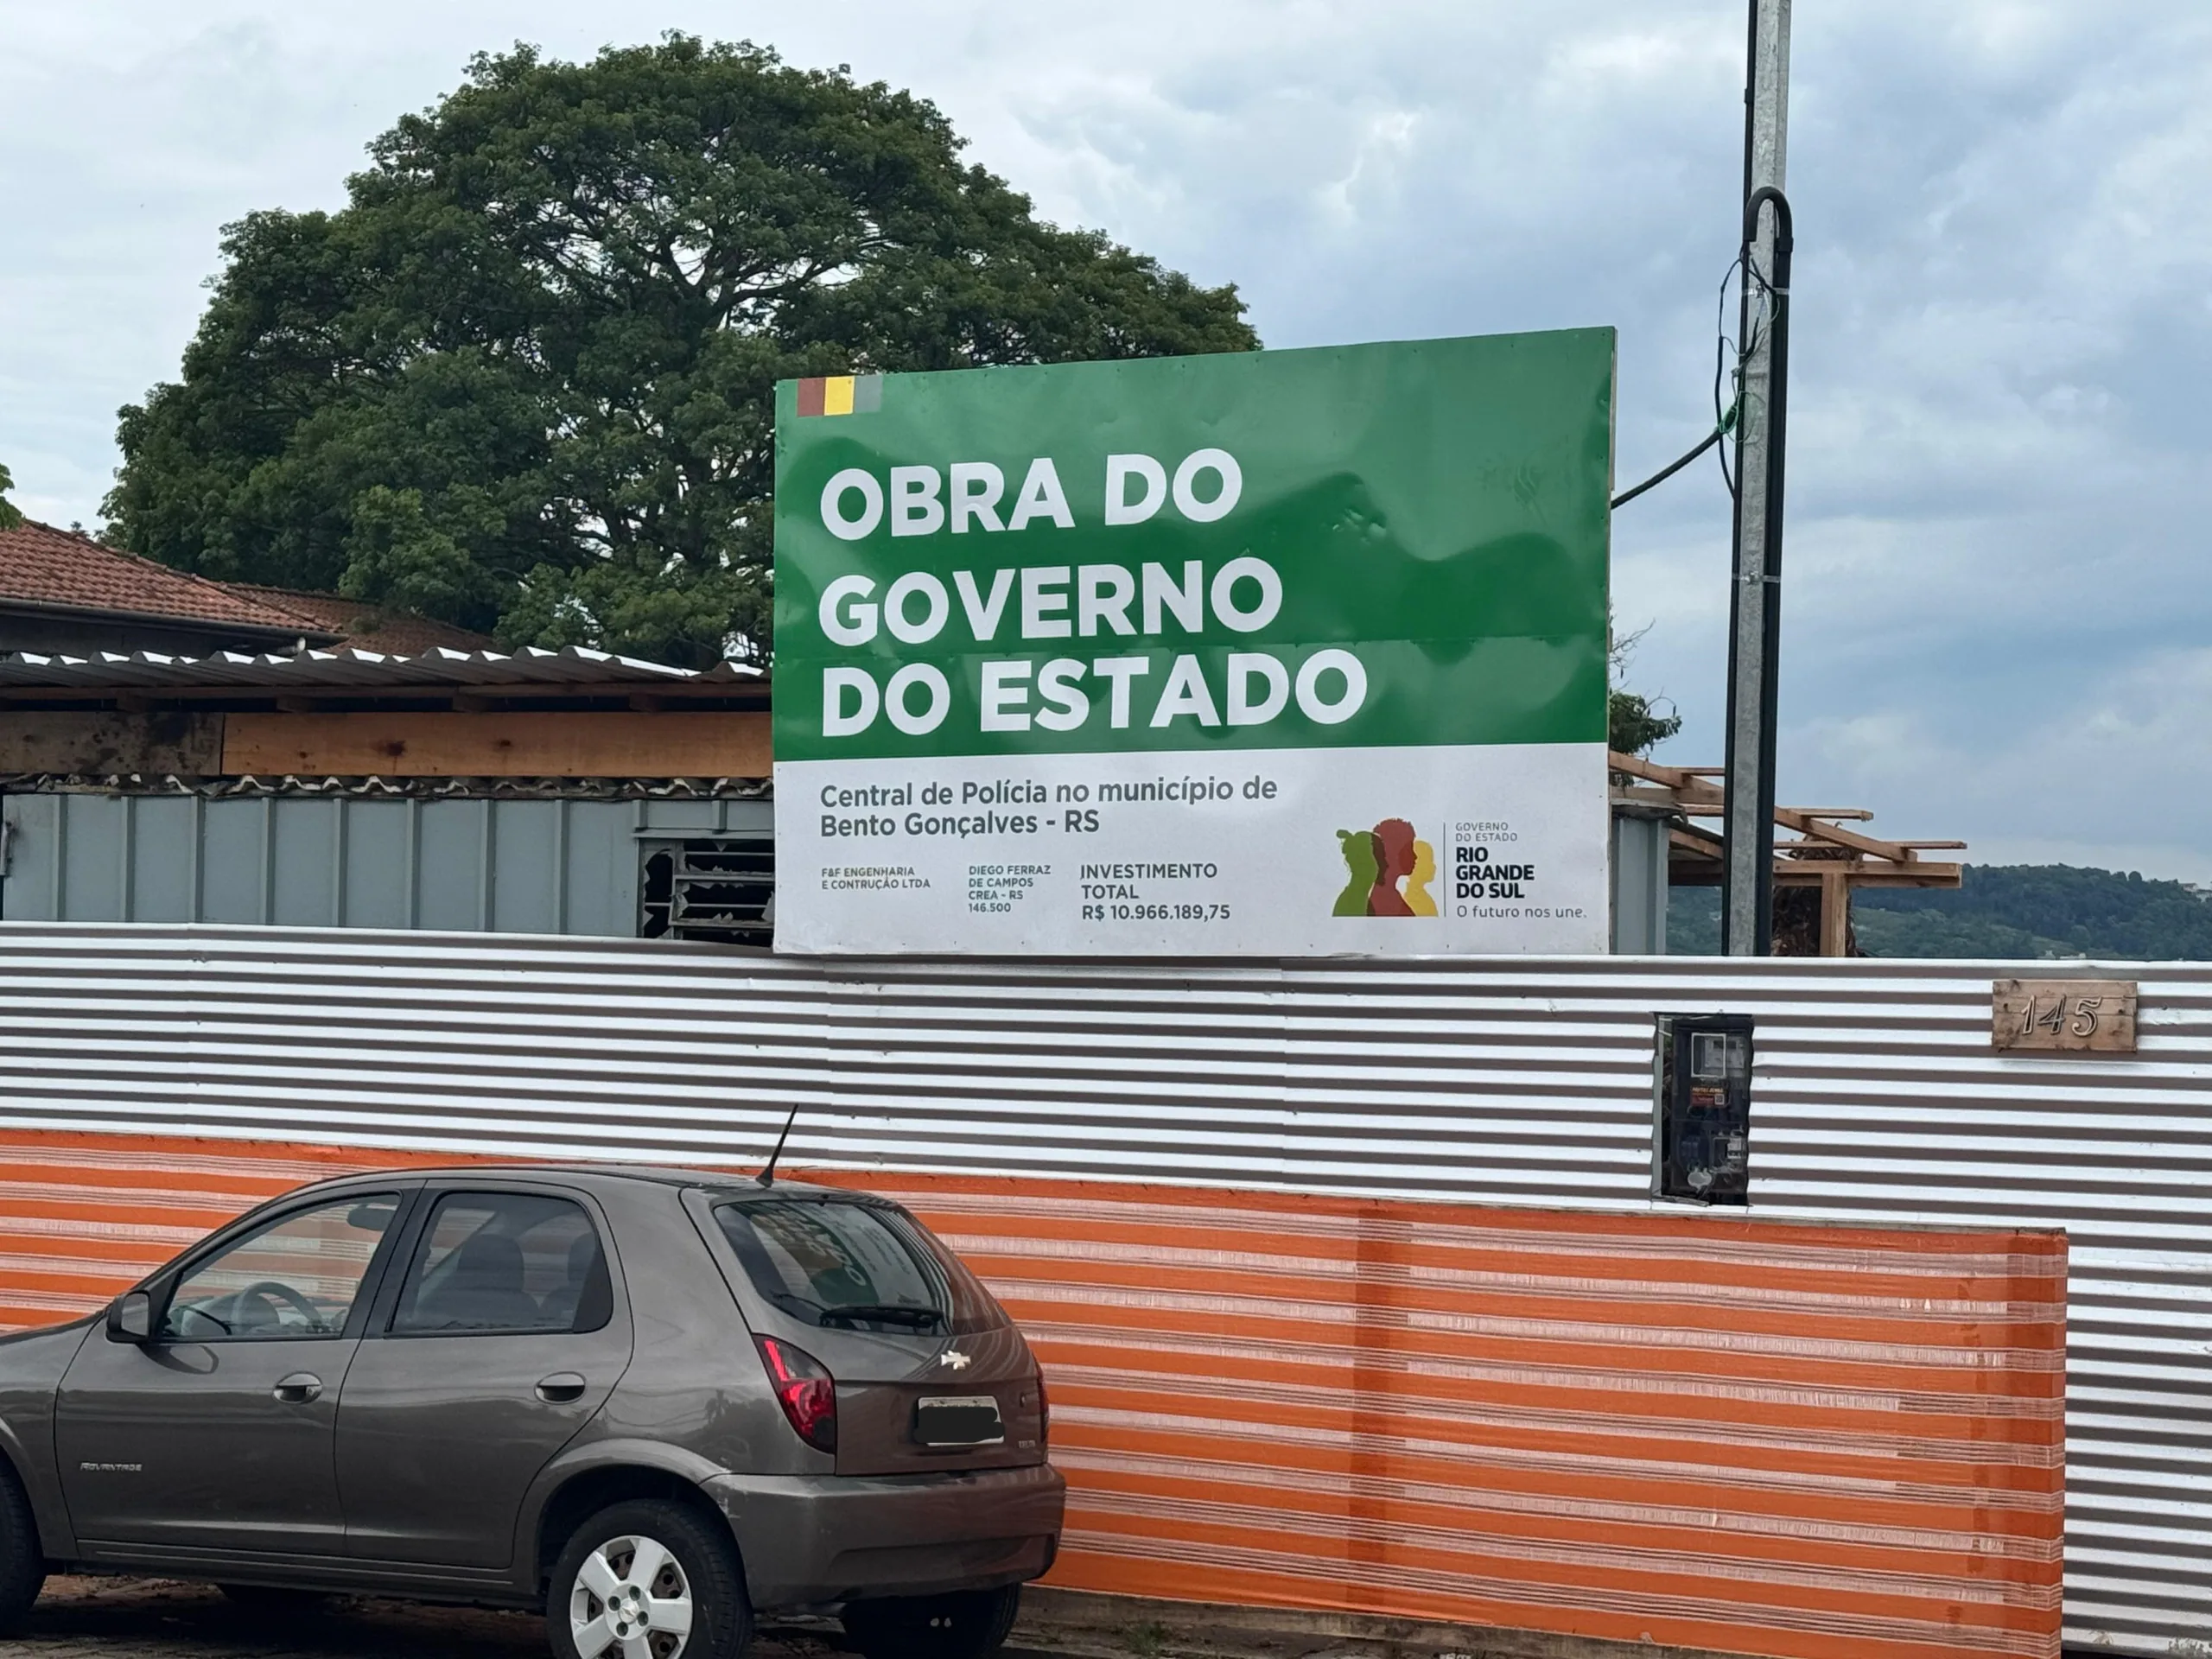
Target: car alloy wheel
630,1600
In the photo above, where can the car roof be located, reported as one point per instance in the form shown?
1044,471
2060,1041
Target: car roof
651,1174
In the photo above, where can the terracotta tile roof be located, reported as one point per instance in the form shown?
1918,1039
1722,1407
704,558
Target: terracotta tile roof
41,565
359,623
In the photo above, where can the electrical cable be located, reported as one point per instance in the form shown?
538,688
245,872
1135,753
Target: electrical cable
1671,468
1724,414
1759,317
1721,343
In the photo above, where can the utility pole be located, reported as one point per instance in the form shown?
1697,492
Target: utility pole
1754,608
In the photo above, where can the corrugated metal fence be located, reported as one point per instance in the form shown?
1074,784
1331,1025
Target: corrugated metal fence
1878,1098
1763,1438
1767,1437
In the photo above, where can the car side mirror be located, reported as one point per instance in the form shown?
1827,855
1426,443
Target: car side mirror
131,1318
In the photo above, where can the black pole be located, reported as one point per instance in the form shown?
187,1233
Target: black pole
1770,553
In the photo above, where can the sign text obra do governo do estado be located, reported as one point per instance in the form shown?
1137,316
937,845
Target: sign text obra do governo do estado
1280,653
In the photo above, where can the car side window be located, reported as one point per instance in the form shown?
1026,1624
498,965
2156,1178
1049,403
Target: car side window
296,1277
505,1262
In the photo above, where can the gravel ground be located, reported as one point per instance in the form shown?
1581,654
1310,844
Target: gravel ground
158,1618
139,1619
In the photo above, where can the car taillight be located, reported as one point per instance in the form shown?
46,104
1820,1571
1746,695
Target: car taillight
804,1390
1044,1413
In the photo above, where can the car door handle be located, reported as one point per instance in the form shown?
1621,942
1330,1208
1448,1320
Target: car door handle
299,1388
561,1387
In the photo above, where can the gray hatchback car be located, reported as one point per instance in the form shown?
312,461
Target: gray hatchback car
653,1402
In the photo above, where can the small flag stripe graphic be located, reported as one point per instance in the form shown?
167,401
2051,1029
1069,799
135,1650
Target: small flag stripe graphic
840,394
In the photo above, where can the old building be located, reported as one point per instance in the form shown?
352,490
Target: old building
536,791
439,785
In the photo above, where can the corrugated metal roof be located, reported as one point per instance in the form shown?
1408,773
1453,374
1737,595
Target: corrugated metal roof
369,669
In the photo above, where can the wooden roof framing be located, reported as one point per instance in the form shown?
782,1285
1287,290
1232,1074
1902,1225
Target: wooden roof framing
1813,849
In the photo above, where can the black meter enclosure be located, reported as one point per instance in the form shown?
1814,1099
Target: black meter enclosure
1701,1134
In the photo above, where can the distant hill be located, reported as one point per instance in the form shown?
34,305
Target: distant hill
2002,911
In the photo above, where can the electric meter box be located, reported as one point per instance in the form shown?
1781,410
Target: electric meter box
1701,1133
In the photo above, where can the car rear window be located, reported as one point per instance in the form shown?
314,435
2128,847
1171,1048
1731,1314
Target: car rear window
854,1264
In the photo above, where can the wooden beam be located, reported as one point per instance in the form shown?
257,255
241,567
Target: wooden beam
1650,771
1694,793
1693,861
511,745
1909,876
103,744
1895,851
747,693
1835,913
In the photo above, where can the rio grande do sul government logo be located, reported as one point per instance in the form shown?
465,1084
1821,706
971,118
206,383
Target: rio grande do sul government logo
1388,870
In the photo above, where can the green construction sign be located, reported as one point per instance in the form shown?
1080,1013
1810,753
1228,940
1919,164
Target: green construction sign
1103,614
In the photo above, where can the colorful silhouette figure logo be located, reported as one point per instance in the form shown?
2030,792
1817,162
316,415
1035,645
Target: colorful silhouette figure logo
1389,869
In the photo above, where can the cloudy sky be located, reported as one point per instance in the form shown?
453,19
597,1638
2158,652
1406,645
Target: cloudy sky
1995,628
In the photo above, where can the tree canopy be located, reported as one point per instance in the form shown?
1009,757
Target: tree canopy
2036,910
1634,722
2001,911
524,380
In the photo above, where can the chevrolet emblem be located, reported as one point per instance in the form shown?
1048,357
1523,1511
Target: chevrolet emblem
955,1359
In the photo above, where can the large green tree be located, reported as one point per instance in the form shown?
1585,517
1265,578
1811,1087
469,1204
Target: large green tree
524,380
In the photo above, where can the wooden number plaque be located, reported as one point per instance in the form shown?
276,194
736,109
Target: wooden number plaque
2091,1016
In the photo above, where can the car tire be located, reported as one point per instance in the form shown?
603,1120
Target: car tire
22,1564
969,1624
697,1566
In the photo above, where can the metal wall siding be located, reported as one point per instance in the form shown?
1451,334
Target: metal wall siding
338,861
1877,1097
1761,1438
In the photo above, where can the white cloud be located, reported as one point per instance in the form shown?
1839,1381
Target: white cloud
2119,774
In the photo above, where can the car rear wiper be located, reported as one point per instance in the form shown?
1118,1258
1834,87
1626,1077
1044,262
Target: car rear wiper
884,1313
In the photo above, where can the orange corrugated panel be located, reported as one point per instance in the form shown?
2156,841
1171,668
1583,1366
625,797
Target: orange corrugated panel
83,1216
1812,1442
1800,1440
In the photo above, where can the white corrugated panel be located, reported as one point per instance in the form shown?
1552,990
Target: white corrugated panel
1878,1098
348,666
